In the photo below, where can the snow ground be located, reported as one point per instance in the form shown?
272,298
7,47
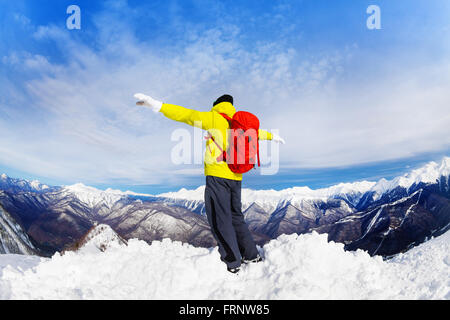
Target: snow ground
295,267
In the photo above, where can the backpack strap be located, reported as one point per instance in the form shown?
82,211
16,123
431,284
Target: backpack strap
225,116
257,148
212,138
223,156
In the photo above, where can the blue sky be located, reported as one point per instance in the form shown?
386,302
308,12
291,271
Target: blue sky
351,103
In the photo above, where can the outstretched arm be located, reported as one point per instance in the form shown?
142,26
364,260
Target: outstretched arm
203,120
199,119
265,135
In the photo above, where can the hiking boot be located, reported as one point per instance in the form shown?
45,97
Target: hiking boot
234,270
255,260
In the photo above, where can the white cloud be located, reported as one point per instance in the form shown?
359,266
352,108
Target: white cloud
90,130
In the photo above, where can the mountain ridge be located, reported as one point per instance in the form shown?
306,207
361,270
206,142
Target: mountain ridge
56,217
428,173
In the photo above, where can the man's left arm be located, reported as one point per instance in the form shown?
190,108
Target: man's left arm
265,135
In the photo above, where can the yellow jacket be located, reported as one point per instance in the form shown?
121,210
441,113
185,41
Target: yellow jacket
218,127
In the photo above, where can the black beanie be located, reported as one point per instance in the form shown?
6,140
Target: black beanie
224,98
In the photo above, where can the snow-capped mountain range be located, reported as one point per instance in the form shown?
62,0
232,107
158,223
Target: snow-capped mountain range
353,192
11,184
383,217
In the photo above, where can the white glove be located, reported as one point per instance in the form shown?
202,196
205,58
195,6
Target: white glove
277,138
147,101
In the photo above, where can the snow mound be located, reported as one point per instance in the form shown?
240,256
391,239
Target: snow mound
295,267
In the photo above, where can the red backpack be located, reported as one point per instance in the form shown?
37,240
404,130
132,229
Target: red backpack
243,144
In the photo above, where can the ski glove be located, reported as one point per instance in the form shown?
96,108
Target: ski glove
277,138
148,101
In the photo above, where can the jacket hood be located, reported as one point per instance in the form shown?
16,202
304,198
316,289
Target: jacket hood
224,107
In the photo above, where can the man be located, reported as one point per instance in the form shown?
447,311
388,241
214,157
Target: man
223,186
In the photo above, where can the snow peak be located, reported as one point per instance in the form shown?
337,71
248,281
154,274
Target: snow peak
191,310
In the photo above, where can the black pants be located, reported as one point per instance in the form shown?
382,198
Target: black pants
223,209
